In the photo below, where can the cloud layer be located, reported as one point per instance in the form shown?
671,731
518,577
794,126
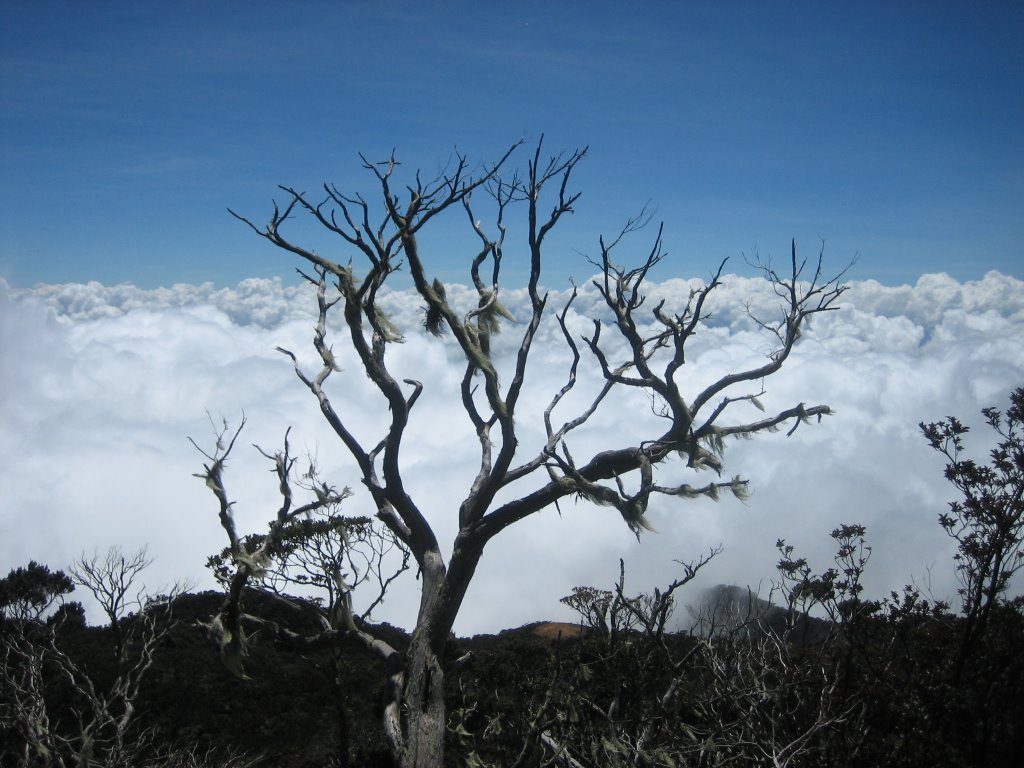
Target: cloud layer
101,385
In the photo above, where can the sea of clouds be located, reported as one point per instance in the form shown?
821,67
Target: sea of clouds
100,387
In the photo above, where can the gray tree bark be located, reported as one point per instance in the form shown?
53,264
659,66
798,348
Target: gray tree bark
625,477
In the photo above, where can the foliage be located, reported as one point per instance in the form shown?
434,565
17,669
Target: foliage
27,593
988,522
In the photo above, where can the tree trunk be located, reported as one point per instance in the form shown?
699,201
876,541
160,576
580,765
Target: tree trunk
424,706
423,696
424,719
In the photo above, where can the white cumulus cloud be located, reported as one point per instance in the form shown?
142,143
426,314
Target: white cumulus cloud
100,387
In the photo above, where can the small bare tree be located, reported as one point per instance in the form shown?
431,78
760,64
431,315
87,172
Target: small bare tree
511,482
643,665
111,579
312,561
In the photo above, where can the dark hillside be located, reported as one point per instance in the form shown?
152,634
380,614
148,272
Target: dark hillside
557,678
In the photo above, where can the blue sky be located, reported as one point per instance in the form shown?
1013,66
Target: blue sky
893,131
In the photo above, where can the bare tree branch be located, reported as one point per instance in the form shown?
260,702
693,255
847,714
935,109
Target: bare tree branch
510,482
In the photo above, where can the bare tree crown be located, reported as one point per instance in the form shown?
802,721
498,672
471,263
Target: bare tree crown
388,241
637,347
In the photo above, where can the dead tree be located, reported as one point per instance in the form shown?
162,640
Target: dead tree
510,483
111,578
312,564
89,724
